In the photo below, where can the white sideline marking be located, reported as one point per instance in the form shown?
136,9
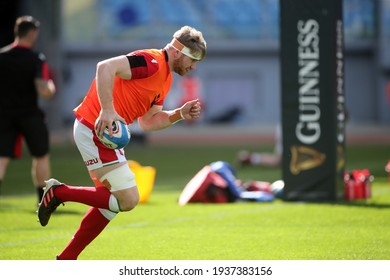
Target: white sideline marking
144,224
219,215
32,241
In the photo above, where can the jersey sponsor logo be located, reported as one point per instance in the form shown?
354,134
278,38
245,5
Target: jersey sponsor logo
91,162
154,61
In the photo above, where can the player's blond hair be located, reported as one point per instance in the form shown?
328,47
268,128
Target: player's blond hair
192,39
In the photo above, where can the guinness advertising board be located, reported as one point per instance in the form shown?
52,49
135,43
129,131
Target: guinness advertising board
313,105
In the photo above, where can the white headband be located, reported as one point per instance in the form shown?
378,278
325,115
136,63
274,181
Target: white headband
184,50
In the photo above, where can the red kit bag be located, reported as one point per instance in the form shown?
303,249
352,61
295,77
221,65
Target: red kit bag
358,184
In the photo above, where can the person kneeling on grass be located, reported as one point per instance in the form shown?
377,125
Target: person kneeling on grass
126,88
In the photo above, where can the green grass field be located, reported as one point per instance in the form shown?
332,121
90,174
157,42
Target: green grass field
162,230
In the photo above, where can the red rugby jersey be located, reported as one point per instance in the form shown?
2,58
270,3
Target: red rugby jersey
150,83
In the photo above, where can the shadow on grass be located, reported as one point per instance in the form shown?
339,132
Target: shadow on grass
357,203
365,204
6,207
68,212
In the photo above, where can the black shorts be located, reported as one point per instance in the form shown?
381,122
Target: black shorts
33,129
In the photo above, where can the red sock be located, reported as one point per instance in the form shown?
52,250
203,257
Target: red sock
91,226
96,197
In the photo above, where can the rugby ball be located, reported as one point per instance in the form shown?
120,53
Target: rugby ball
120,137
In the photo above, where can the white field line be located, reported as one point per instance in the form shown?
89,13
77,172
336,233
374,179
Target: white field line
215,216
144,224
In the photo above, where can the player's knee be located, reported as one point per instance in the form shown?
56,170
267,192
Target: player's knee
130,202
121,181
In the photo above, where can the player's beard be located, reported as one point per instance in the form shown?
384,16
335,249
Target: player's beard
178,67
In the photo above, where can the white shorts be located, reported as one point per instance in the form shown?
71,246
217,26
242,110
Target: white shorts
93,152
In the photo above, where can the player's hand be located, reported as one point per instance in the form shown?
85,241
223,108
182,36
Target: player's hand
105,120
191,109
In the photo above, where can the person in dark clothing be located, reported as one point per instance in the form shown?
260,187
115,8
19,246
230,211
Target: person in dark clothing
24,77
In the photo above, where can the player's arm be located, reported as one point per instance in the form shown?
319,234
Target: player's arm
156,118
106,71
43,83
45,88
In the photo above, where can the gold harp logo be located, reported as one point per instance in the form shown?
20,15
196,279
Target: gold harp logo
304,158
340,158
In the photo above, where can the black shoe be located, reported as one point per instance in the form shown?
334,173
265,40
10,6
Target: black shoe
49,202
